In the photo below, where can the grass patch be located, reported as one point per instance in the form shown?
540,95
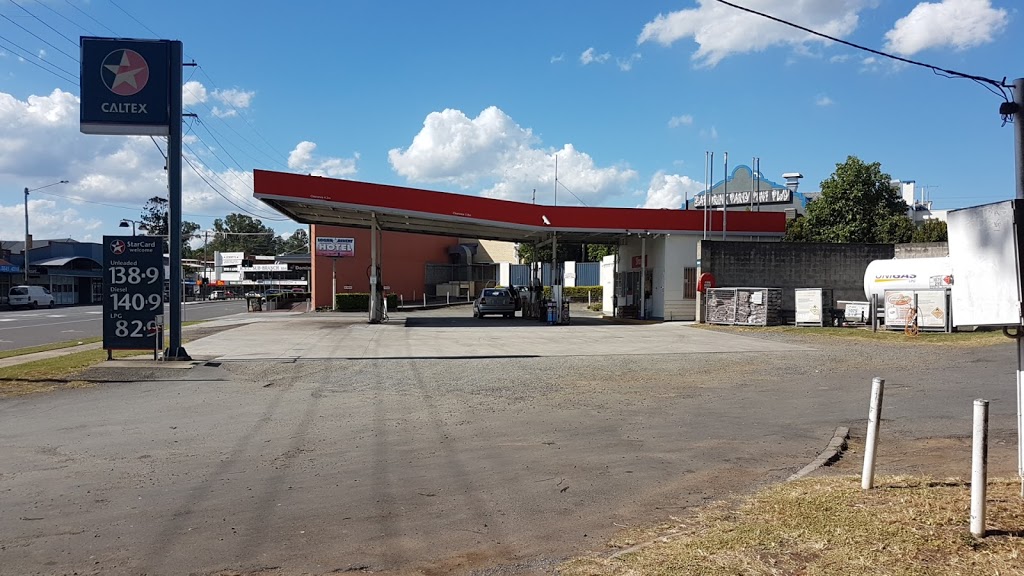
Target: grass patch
907,526
977,338
47,374
47,347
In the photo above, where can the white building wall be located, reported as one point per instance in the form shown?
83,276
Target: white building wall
680,253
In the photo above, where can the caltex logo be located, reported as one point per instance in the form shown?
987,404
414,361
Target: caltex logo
125,72
117,247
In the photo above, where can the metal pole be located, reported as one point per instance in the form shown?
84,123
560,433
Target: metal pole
725,198
1020,413
554,270
979,468
867,478
711,190
753,162
334,284
758,162
706,184
1018,134
643,278
175,350
375,317
874,312
25,250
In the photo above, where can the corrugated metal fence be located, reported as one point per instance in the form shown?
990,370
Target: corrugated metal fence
587,274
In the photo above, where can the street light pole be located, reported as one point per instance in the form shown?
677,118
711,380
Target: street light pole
25,250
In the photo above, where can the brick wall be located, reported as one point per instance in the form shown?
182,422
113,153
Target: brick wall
791,265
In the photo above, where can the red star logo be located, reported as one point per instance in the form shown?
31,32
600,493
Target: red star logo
125,72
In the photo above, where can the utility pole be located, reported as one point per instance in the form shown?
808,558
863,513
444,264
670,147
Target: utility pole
1017,109
1018,133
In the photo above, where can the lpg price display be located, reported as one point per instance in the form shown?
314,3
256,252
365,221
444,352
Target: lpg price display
133,288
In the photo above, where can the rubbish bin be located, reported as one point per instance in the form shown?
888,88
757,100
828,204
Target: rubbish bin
255,305
552,313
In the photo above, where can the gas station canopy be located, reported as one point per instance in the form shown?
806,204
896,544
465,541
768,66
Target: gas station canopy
347,203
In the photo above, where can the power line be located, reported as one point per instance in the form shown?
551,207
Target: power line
86,14
571,192
8,18
246,120
219,193
44,23
116,5
214,173
72,80
79,199
83,28
936,69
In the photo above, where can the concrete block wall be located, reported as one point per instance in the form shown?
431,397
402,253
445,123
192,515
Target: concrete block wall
922,250
791,265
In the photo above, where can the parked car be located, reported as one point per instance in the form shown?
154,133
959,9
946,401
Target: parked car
253,294
299,290
30,297
272,292
494,301
218,295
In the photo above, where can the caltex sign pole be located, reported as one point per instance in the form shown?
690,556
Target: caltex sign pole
133,87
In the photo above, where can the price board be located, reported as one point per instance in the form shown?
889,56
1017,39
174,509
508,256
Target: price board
133,287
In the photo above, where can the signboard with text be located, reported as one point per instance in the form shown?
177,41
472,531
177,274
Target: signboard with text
125,86
133,286
745,198
335,247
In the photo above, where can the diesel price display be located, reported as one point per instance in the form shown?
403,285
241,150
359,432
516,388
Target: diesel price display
133,286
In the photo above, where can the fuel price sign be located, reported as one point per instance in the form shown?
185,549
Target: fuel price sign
133,288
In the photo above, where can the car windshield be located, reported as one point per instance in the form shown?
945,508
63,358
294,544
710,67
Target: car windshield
19,291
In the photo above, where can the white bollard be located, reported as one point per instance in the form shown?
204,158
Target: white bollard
401,300
448,298
424,299
979,468
867,478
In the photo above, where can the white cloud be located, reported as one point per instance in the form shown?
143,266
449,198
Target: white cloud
721,31
40,143
626,64
234,97
960,24
42,54
221,113
839,58
670,190
589,56
710,133
501,159
823,100
558,58
193,93
677,121
303,160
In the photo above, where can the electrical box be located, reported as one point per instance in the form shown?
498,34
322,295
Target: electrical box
985,249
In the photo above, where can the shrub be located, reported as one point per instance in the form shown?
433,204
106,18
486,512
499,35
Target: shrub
578,293
360,302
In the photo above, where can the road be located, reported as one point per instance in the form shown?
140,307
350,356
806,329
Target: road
405,464
23,328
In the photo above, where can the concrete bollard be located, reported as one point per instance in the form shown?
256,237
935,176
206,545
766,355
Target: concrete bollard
979,468
448,298
867,478
424,299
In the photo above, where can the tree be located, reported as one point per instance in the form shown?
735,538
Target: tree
241,233
297,243
597,252
155,223
931,231
857,204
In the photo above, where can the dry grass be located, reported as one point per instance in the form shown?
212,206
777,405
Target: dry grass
47,347
907,526
50,373
977,338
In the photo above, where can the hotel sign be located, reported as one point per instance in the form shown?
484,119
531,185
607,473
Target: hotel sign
746,198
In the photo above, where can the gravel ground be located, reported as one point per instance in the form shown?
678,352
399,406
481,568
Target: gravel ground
469,466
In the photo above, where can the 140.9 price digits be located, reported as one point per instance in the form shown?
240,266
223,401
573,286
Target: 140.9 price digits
137,301
133,275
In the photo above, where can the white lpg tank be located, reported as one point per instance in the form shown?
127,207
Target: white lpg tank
907,274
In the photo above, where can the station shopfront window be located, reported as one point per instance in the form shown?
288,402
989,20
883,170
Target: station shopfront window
64,290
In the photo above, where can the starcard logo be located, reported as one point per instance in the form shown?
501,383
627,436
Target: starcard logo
117,247
125,72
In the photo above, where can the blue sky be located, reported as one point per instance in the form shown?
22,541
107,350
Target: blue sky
479,97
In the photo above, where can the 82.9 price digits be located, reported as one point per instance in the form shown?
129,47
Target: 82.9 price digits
134,328
133,275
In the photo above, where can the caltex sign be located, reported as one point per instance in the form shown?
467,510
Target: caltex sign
125,86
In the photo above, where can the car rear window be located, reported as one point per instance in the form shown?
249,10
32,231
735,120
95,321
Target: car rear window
495,293
18,291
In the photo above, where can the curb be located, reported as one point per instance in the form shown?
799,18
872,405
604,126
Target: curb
832,452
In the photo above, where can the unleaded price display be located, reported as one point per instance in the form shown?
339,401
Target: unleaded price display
133,287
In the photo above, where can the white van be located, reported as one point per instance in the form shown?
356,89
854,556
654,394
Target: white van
30,297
